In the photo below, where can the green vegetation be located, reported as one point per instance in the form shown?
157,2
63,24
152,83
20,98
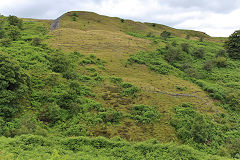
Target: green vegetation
165,35
232,45
144,114
145,86
74,148
203,133
207,65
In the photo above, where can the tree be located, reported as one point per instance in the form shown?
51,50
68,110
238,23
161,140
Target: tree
14,21
165,35
200,129
2,31
199,53
232,45
173,54
36,41
188,36
185,47
13,86
14,33
5,42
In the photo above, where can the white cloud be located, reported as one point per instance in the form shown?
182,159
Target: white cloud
215,24
215,17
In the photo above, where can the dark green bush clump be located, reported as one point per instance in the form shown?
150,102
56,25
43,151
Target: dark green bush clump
232,45
165,35
193,126
144,114
14,21
129,90
13,86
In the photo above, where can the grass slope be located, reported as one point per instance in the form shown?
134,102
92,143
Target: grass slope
106,37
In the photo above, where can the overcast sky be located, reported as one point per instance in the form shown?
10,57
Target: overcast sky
215,17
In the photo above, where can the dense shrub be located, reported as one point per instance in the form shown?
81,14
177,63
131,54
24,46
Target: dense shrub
221,62
233,99
221,53
232,45
13,20
144,114
208,65
13,86
216,91
2,32
14,33
185,47
60,62
110,116
116,80
129,90
36,41
199,53
191,125
165,35
5,42
173,54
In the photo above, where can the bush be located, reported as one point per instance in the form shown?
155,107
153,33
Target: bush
129,90
36,41
199,53
165,35
173,54
75,14
208,66
216,91
110,116
5,42
185,47
116,80
14,33
221,53
221,62
233,99
60,63
13,86
74,18
14,21
144,114
191,125
232,45
2,32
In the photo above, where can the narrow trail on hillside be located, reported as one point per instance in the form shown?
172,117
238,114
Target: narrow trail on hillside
56,23
204,100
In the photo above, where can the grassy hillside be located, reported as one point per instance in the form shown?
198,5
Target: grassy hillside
103,76
109,39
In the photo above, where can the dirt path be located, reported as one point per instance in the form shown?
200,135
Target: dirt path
204,100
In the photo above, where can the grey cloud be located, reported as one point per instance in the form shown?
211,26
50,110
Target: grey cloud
219,6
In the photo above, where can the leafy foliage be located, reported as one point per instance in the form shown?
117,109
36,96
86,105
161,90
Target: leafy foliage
232,45
15,21
14,85
144,114
165,35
